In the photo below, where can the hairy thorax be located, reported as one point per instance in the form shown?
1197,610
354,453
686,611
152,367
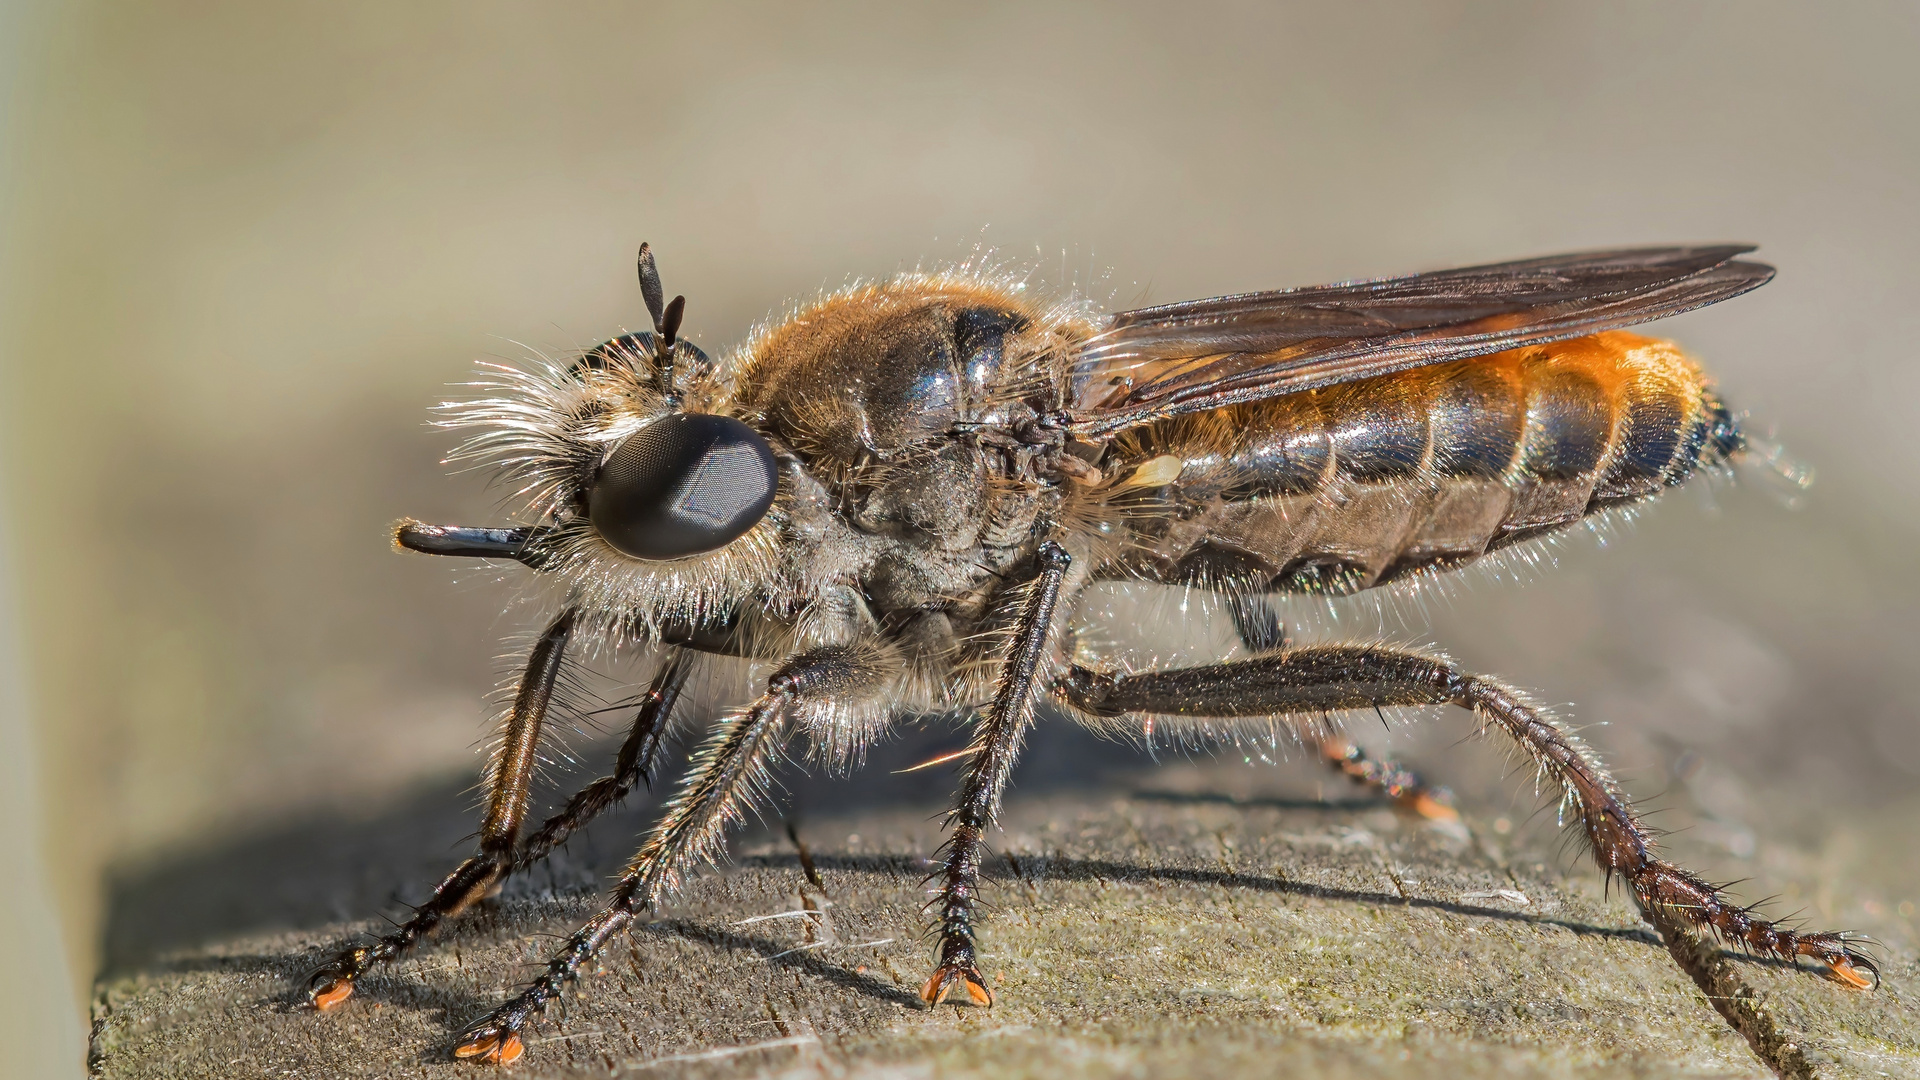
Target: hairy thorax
910,411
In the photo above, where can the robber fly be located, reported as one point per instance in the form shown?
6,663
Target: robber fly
896,494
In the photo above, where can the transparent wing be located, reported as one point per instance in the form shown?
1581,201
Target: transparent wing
1204,354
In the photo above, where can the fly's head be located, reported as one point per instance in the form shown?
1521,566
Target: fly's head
653,502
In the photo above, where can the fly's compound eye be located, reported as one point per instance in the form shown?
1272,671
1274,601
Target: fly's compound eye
686,484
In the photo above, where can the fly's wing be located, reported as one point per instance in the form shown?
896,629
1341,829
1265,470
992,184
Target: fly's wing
1204,354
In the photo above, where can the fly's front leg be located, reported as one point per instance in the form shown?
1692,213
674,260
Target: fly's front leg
995,748
507,780
1333,677
726,776
635,761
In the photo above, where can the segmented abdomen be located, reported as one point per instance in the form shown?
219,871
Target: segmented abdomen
1362,484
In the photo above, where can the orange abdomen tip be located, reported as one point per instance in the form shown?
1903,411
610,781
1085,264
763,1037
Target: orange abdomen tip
333,995
1853,974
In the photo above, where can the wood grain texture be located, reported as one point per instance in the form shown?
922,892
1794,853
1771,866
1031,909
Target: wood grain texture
1139,925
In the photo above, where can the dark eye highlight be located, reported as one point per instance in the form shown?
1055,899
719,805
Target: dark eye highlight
686,484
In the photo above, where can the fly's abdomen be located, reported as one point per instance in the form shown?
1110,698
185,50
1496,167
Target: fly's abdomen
1362,484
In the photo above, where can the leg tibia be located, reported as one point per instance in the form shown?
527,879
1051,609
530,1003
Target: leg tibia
1332,677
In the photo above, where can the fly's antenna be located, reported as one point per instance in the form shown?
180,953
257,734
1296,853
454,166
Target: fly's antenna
666,320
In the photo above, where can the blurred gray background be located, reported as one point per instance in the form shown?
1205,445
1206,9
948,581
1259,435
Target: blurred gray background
248,245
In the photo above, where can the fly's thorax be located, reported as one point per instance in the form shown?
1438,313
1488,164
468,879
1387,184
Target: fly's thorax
880,372
906,401
1430,469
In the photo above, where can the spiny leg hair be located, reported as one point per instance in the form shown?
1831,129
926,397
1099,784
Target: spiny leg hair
995,748
1336,677
727,775
633,765
507,780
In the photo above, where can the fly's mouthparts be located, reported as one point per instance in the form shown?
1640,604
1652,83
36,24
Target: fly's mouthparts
520,543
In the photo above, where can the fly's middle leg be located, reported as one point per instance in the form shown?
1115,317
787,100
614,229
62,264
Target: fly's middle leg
996,745
1338,677
1261,632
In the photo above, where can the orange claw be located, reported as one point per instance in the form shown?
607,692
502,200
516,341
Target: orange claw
510,1050
1431,808
335,992
499,1049
942,980
1852,974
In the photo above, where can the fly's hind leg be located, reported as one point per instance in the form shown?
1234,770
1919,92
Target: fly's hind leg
727,775
1333,677
1261,632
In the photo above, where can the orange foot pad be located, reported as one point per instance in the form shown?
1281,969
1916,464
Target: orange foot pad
499,1049
332,994
1856,975
943,980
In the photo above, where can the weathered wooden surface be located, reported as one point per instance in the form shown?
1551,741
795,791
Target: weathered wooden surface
1147,925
